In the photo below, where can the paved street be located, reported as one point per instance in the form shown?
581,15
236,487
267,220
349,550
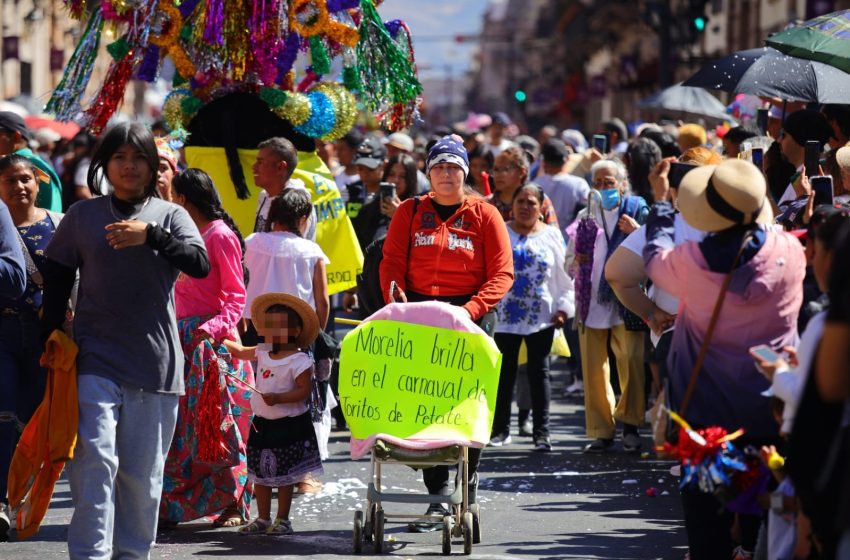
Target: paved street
560,505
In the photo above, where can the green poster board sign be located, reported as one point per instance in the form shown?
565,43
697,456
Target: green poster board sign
418,382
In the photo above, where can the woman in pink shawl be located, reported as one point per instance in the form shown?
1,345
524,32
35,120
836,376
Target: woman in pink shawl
762,303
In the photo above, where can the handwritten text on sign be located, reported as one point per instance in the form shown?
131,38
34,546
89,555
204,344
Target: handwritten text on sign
415,381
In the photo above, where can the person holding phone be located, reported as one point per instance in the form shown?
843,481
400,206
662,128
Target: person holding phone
799,129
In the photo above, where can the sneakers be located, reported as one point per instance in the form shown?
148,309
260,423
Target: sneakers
500,439
542,445
280,527
433,524
600,445
5,522
631,442
576,389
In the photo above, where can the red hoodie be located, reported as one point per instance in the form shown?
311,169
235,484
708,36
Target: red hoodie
468,254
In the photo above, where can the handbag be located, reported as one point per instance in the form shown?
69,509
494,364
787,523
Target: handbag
663,428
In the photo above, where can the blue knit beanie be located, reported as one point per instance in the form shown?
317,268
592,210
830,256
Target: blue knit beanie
448,150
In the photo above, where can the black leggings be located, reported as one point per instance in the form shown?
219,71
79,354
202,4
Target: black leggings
538,346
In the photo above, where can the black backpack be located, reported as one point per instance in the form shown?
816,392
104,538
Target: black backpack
369,293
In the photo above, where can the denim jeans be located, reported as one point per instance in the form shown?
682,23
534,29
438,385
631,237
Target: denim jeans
538,346
116,474
22,383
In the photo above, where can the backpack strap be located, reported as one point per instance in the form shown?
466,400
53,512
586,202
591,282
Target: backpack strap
412,217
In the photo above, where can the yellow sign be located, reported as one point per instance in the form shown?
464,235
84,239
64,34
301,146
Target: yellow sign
414,381
334,232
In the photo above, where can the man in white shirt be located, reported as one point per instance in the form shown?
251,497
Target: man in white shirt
276,161
568,193
497,141
346,150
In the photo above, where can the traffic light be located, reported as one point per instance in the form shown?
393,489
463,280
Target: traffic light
520,96
697,20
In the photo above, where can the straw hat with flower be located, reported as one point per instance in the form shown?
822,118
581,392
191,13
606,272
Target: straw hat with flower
309,318
716,197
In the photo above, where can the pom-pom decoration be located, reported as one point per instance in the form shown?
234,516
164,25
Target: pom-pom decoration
345,109
322,116
296,109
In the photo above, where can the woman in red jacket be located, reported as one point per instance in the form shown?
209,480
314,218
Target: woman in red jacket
448,245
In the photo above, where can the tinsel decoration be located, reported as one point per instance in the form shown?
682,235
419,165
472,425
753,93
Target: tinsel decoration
190,106
149,66
214,24
306,83
322,118
65,101
170,23
111,94
211,446
387,75
319,56
273,97
345,109
309,18
296,109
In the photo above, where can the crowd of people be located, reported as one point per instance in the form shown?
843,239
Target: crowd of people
666,254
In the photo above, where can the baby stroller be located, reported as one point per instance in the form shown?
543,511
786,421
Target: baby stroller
464,519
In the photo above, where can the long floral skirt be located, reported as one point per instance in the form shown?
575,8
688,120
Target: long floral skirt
191,488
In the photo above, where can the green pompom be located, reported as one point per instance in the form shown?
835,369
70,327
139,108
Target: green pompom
319,56
178,80
351,78
191,105
119,49
273,97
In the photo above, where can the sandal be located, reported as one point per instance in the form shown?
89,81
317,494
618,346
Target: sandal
280,527
229,518
256,527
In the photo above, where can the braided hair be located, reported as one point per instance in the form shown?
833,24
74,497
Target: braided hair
199,190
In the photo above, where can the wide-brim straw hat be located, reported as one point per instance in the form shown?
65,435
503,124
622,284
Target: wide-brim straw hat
309,318
717,197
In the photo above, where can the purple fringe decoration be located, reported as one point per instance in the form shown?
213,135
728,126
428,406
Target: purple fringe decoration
586,233
288,55
337,5
393,26
213,34
150,65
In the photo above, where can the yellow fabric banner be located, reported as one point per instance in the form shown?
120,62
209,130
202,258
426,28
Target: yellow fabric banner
334,232
416,381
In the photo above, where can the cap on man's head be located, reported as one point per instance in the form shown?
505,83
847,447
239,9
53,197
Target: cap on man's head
401,141
806,125
501,119
575,139
618,126
13,122
554,151
371,153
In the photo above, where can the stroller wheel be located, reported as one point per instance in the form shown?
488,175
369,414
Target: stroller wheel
379,531
475,509
370,523
358,532
466,523
447,534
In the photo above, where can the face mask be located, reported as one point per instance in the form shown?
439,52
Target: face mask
610,198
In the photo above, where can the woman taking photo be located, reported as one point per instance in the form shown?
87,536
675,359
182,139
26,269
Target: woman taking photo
208,311
129,247
467,237
765,269
22,378
401,172
540,301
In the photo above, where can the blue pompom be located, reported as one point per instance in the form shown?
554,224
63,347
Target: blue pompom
322,116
